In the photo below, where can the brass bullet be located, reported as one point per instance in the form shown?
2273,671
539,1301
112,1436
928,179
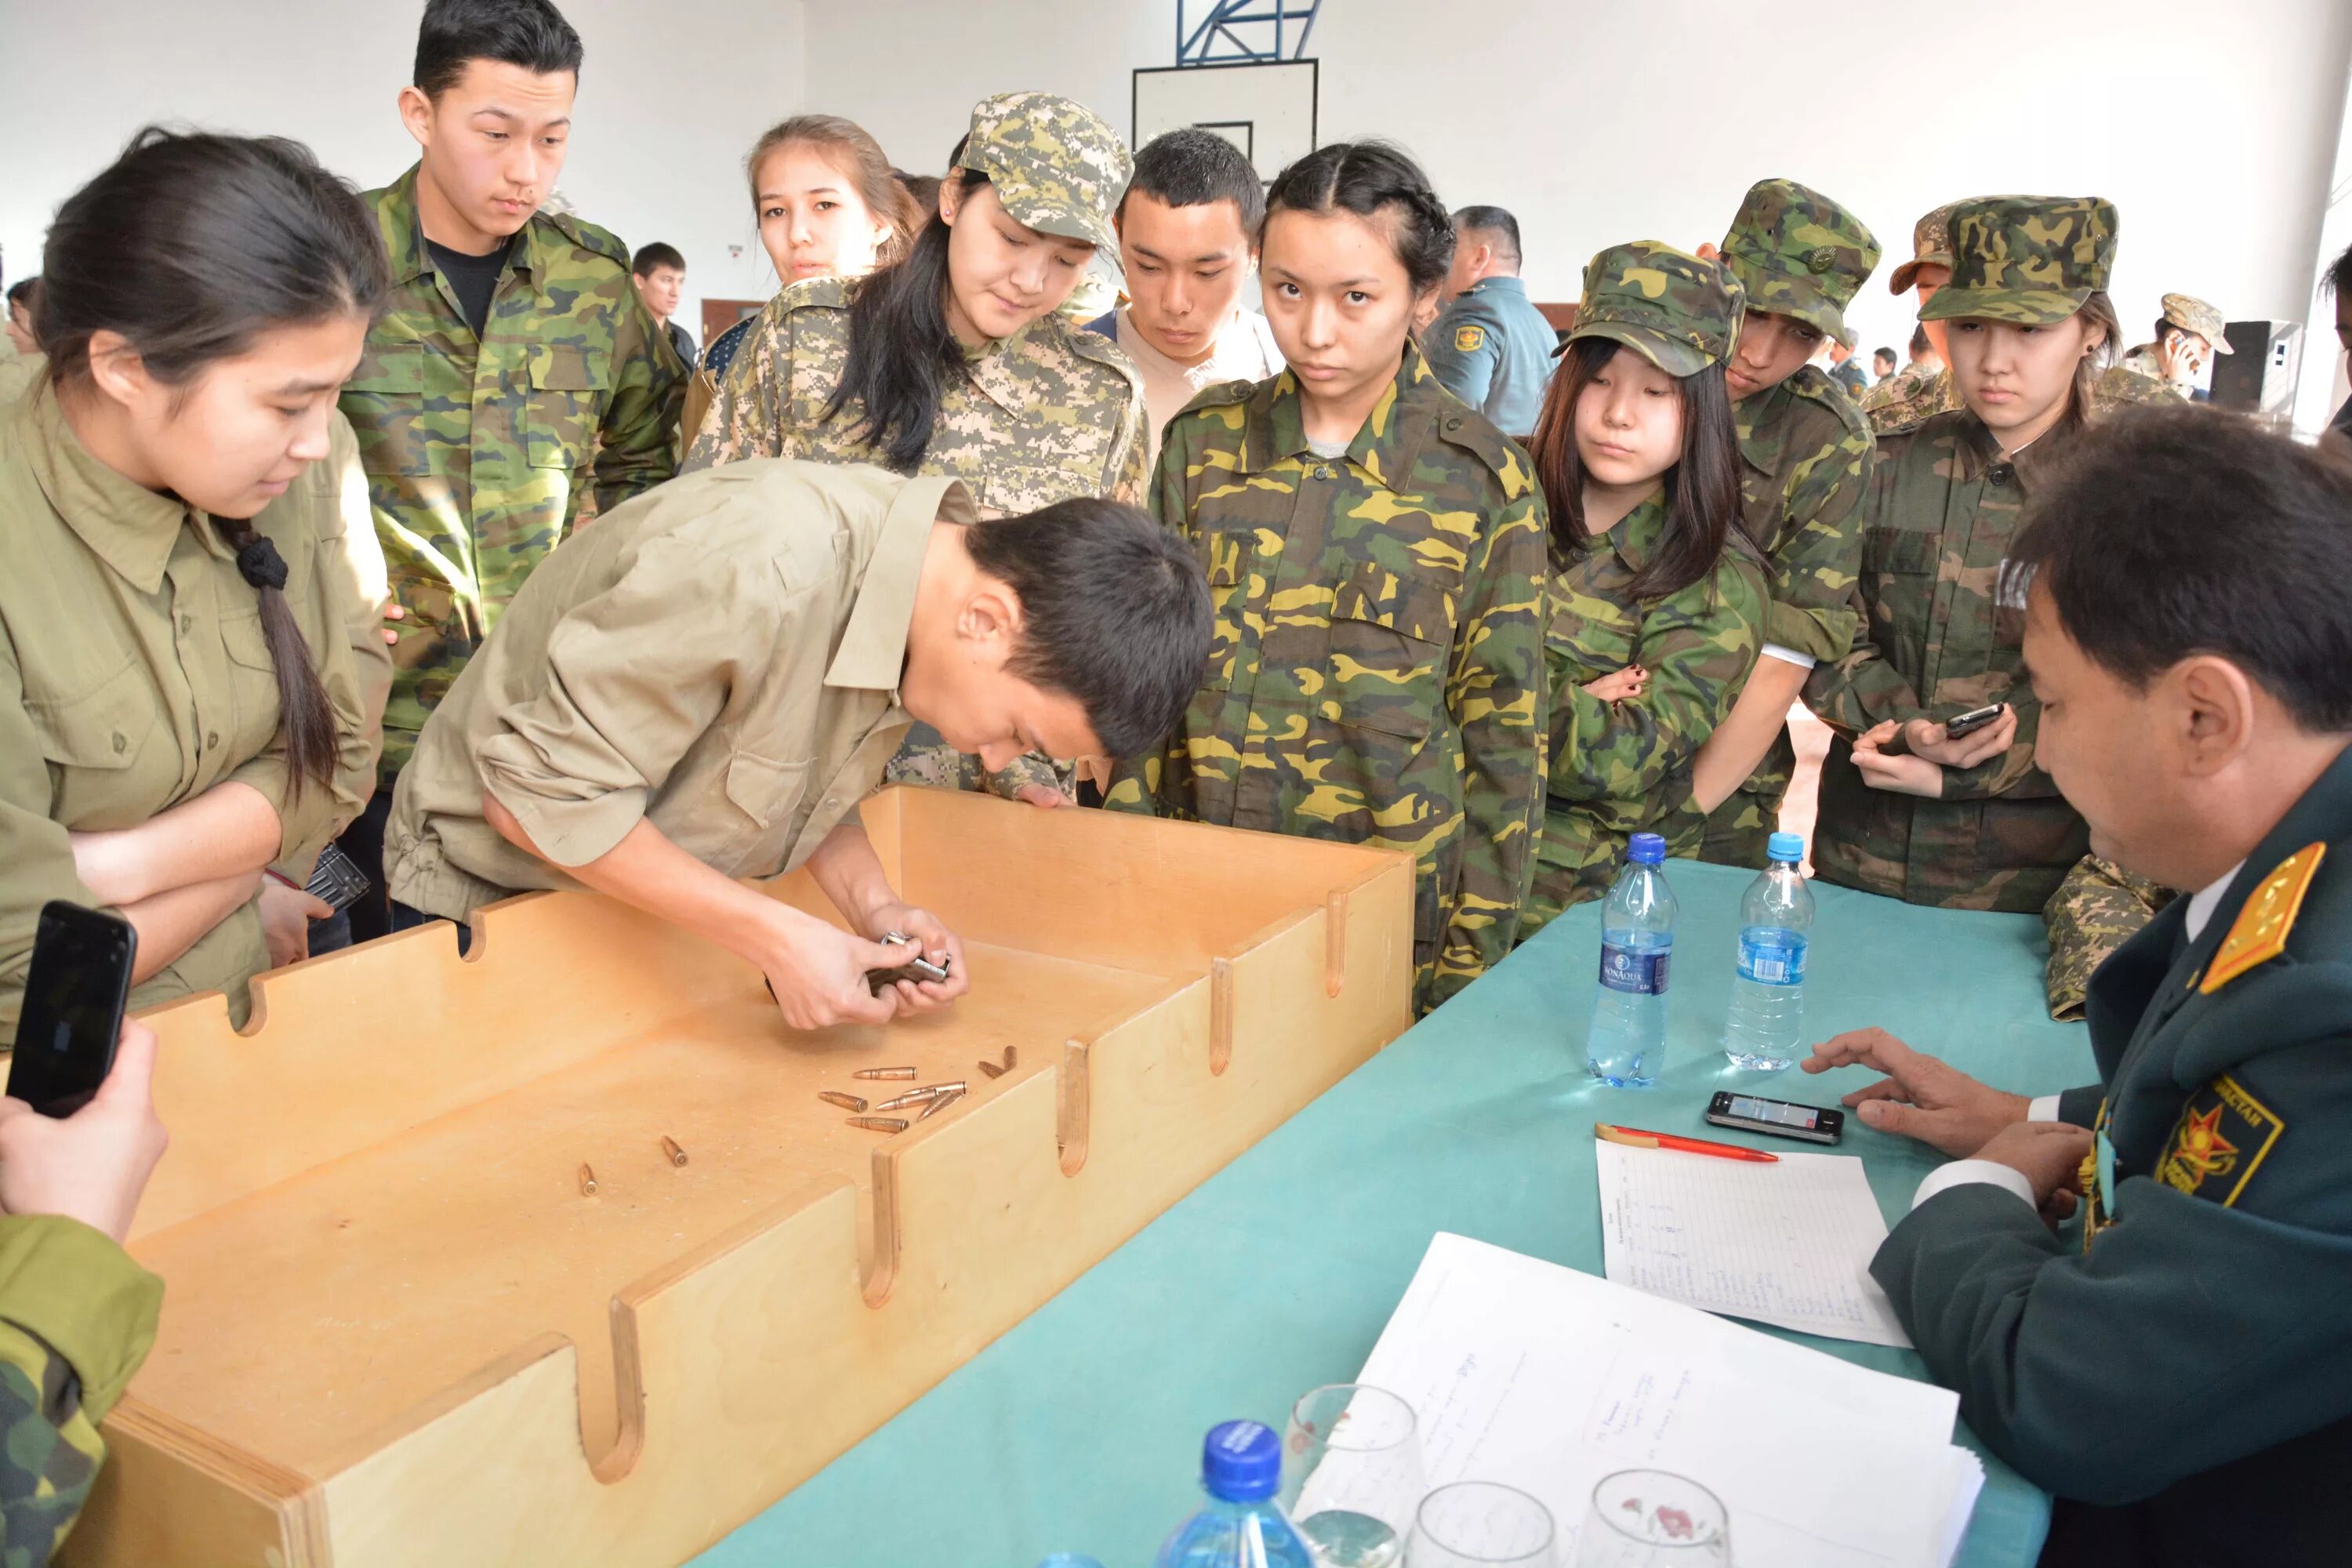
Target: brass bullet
677,1155
918,1096
847,1101
1012,1058
989,1069
878,1123
939,1104
587,1182
871,1074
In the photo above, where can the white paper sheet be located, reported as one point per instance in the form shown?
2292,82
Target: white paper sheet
1547,1378
1789,1243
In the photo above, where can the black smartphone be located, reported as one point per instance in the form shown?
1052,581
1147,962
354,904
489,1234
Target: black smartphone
337,880
75,992
1781,1118
1973,719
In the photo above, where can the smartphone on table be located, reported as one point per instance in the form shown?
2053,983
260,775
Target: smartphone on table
1781,1118
74,994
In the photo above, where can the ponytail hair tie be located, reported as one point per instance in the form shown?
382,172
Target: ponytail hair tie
259,563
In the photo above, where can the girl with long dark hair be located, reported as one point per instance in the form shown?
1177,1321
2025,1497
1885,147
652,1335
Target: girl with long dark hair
1657,595
191,679
958,361
1375,552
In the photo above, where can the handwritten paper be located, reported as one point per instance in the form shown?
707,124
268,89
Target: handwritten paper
1789,1243
1548,1380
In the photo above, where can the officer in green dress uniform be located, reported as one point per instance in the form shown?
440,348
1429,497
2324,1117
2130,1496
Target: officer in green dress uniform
2177,1365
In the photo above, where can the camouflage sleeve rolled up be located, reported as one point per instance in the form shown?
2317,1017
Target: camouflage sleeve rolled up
1499,689
636,445
1813,609
76,1317
2099,908
1698,646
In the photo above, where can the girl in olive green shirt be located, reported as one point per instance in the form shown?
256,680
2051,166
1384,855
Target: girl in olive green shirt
191,676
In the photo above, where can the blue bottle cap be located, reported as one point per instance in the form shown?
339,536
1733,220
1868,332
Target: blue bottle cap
1789,846
1241,1462
1647,850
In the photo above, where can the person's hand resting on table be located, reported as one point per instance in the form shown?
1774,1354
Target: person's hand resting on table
1921,1096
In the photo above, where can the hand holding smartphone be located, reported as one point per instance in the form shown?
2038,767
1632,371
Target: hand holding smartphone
74,994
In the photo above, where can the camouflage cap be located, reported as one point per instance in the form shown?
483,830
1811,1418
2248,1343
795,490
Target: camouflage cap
2029,259
1679,312
1931,245
1057,167
1797,253
2189,313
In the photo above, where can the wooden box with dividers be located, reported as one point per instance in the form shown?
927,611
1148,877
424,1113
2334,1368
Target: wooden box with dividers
400,1327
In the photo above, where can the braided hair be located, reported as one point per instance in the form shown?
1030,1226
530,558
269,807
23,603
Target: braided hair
1370,178
191,246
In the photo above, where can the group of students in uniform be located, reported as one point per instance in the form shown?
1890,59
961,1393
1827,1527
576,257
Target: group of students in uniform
286,493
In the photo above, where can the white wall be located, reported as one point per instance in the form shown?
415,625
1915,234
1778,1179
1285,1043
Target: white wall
656,147
1596,122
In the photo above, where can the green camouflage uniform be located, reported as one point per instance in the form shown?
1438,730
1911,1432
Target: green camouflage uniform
1805,455
2099,908
478,451
1619,768
76,1317
1051,413
1376,671
1942,638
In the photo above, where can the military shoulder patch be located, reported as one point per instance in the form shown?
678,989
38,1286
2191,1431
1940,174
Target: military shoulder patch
1469,338
2219,1142
2261,928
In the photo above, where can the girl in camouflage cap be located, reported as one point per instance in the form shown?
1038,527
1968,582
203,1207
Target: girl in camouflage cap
957,361
1906,809
1375,553
1657,595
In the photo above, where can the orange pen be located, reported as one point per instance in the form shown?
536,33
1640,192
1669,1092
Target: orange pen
1635,1138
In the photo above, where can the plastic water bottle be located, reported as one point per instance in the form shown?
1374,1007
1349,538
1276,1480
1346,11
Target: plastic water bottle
1627,1044
1241,1525
1767,994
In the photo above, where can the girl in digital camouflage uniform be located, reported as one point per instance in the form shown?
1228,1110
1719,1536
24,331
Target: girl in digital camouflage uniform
958,360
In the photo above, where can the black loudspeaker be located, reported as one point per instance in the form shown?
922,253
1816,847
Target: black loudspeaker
2258,375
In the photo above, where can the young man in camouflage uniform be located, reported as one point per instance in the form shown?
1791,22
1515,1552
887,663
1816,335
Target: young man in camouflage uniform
516,369
1907,811
1805,455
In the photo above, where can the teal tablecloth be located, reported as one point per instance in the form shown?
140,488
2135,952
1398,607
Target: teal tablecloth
1080,1430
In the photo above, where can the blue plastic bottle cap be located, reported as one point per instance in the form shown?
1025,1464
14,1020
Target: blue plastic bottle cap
1647,850
1069,1560
1789,846
1241,1462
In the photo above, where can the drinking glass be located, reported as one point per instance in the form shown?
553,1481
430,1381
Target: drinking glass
1351,1474
1481,1524
1651,1519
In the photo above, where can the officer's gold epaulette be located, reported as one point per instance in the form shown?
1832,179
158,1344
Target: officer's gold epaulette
1814,385
589,236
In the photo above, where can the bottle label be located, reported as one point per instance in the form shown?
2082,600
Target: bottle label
1629,968
1770,956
